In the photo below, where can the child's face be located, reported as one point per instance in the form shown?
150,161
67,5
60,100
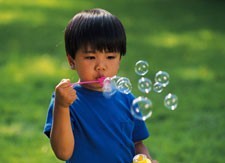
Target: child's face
91,65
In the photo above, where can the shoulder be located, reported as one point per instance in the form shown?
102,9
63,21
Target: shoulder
125,97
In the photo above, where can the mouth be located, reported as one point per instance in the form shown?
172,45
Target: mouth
101,80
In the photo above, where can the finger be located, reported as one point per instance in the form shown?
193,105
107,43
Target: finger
64,83
72,97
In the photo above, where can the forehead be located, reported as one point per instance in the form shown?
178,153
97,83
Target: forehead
94,48
89,50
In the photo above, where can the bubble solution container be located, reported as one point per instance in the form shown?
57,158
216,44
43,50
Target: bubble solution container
141,158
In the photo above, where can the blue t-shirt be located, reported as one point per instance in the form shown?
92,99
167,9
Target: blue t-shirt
104,129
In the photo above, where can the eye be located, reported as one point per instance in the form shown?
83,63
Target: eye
90,57
111,57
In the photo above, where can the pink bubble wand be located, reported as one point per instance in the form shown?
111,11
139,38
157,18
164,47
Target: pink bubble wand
99,80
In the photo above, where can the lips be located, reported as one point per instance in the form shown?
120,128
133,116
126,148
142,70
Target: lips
101,80
100,76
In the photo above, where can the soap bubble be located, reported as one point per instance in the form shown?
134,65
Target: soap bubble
115,78
144,85
141,67
171,101
157,87
123,84
141,108
162,77
109,87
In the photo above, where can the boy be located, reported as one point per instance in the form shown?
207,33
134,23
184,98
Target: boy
83,125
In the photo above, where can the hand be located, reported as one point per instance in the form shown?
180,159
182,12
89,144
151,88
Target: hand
65,95
154,161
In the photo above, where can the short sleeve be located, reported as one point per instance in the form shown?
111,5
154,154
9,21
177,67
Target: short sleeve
140,131
48,123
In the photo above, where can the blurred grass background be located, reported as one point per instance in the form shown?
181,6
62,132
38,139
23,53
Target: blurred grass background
184,38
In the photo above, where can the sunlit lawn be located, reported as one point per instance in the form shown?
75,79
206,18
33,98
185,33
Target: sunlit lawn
186,39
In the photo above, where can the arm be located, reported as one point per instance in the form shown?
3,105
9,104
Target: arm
140,148
61,136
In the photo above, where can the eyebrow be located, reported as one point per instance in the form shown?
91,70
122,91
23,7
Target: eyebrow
88,50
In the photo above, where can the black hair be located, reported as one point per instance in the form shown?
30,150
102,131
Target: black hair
97,29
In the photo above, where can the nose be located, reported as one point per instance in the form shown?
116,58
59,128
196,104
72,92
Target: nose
100,66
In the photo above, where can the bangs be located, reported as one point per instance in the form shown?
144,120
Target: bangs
102,34
98,30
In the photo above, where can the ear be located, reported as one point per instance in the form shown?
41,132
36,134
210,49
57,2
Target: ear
71,62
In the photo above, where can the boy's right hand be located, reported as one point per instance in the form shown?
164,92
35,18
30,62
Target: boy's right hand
65,95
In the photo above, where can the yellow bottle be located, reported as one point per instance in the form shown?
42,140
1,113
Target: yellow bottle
141,158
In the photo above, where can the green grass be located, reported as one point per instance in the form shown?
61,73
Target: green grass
184,38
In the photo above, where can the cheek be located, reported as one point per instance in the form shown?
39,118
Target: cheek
116,67
81,69
118,64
